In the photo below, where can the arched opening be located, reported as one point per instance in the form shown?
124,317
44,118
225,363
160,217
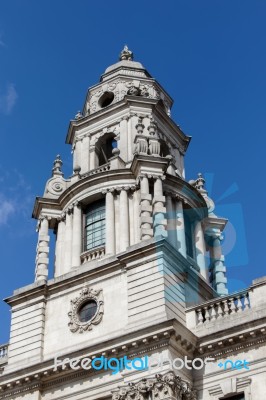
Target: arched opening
104,148
165,151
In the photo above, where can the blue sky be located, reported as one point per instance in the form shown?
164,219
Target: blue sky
210,57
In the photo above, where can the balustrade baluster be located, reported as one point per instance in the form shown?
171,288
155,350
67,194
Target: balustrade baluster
200,316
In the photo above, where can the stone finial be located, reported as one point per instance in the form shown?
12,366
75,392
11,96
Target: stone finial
152,128
78,115
140,127
57,166
126,54
200,182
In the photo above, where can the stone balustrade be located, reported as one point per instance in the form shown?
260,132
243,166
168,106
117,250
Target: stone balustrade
94,254
3,352
218,309
102,168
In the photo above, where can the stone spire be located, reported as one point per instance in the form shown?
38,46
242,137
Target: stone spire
126,54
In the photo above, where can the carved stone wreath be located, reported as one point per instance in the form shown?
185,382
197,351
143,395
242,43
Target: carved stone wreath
86,294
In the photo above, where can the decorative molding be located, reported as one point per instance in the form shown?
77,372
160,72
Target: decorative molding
86,294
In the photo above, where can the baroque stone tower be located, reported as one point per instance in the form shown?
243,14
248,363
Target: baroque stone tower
136,245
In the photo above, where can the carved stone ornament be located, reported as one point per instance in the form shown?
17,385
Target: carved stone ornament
159,388
86,294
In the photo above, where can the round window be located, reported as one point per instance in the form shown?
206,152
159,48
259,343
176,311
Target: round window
106,99
87,311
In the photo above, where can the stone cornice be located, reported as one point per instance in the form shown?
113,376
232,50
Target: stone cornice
123,106
79,186
182,190
114,264
134,343
232,340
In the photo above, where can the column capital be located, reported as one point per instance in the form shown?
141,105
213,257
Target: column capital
69,210
77,204
62,217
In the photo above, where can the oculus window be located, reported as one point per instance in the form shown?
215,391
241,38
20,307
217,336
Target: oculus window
87,311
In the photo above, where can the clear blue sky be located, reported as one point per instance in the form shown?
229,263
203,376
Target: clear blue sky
209,55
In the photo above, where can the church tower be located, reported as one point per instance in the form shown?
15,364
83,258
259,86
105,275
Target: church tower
136,244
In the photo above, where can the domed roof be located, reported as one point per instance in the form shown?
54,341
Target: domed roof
126,63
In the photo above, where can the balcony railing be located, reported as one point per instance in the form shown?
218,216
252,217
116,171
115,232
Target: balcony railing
102,168
3,352
94,254
218,309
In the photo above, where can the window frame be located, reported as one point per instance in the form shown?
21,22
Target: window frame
95,207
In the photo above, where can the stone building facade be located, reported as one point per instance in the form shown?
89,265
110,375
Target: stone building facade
139,270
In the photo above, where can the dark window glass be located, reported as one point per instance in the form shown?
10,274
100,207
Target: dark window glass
95,225
234,397
87,311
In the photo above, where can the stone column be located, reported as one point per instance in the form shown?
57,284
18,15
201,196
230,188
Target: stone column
201,250
124,219
180,229
110,223
59,246
159,221
68,240
76,235
171,229
42,258
145,209
217,266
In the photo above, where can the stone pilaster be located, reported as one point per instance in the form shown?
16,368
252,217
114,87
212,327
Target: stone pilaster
159,210
77,154
201,250
42,257
85,155
146,222
180,228
76,235
110,222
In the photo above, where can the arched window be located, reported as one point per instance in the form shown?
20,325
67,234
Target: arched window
95,225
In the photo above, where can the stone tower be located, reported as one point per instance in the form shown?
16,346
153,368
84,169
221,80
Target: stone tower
136,245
